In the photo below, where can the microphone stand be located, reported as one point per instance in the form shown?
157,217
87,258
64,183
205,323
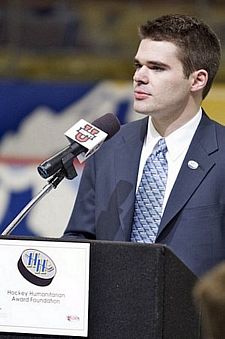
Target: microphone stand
67,171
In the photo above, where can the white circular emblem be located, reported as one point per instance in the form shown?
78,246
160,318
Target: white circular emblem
192,164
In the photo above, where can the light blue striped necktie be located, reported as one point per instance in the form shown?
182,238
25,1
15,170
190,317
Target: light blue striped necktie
150,195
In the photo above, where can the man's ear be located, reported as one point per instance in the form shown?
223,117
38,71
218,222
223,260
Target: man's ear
199,80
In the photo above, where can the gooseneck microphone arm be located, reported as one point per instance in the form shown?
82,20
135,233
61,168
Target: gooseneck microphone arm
46,189
67,170
52,183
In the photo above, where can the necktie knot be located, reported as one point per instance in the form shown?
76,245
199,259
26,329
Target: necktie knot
160,147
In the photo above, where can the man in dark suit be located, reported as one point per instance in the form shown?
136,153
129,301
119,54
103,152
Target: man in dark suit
176,62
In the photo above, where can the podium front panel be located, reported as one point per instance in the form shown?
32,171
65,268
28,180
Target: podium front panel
136,291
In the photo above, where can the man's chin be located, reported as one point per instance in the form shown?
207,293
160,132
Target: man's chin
141,111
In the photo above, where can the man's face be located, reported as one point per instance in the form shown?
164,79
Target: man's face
160,87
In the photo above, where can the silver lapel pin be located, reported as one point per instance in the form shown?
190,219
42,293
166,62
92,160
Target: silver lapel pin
193,164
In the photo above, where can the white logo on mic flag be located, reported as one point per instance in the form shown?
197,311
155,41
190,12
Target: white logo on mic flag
87,135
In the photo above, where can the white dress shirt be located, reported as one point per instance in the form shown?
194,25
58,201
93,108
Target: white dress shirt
177,145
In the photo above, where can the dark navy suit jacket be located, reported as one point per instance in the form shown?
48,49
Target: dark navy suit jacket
193,223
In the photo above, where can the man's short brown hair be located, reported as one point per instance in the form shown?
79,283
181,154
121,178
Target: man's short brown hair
199,47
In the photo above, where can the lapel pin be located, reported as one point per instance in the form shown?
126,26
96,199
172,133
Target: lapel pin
192,164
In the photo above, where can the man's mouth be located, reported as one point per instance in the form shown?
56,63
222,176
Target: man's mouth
141,95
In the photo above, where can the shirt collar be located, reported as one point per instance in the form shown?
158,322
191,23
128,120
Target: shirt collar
177,141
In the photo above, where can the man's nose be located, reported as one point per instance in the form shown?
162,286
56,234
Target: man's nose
140,74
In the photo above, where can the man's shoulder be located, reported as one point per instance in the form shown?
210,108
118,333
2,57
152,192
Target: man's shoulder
133,126
212,133
127,132
207,120
220,128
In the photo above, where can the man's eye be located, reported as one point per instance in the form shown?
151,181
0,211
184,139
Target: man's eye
137,65
157,68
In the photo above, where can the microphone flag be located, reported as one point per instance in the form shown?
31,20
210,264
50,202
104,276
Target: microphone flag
87,135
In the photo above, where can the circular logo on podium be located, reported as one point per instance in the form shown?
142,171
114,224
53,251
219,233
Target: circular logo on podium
37,267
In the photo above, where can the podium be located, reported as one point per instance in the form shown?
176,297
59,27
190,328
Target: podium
136,291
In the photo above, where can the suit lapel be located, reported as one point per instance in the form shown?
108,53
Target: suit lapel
127,157
203,145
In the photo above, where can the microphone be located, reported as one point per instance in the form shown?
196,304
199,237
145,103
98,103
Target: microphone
85,139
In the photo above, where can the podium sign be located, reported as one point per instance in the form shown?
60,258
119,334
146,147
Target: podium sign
44,287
